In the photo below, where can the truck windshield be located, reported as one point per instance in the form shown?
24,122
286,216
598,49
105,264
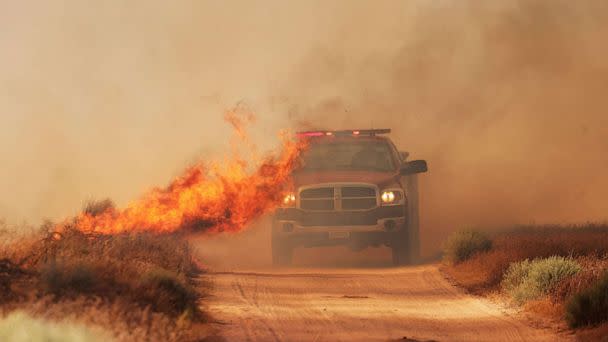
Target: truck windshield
359,155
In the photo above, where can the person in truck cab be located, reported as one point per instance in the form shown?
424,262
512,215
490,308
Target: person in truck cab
355,189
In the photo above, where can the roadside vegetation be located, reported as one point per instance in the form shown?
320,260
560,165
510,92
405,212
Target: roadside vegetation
463,244
557,271
531,279
135,286
589,306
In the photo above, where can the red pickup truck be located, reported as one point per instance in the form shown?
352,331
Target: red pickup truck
354,188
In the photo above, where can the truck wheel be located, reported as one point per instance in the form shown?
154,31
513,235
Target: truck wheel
413,220
282,252
400,251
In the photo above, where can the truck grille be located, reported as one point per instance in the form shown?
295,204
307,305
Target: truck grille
339,198
317,199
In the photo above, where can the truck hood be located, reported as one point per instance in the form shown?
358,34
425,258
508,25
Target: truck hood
381,179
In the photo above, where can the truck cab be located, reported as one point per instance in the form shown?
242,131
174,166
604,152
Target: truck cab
353,188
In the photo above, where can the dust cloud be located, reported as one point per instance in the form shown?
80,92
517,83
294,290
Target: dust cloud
506,100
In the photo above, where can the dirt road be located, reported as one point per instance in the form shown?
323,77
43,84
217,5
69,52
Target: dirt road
379,304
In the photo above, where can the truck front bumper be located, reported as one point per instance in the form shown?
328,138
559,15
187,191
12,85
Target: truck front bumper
378,226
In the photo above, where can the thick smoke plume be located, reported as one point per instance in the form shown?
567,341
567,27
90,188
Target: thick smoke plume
506,100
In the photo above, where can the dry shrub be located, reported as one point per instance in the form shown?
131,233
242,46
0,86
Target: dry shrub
95,208
167,293
463,244
545,308
10,275
590,306
18,243
143,279
153,270
482,272
60,279
594,268
548,240
141,251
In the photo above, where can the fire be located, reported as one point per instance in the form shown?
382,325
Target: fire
210,198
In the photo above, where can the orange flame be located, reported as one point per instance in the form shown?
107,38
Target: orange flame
210,199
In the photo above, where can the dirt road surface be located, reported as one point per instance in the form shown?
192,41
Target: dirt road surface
350,304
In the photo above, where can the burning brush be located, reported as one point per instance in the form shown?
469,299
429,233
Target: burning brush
203,198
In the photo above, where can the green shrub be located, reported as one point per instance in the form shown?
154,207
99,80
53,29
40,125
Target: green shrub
515,275
463,244
20,327
526,280
590,306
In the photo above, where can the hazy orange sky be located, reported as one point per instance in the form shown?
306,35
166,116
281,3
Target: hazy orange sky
507,101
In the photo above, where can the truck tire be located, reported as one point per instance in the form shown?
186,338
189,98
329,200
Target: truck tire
406,246
400,251
413,220
282,251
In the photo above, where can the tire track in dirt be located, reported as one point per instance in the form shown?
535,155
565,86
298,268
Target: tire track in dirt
358,305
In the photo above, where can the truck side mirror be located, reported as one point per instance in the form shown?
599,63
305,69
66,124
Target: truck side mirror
413,167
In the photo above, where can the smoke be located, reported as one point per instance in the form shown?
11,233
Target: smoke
109,100
506,100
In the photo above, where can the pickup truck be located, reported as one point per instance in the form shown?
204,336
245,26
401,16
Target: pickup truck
354,188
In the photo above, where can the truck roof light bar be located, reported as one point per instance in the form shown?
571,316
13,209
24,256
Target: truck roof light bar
355,132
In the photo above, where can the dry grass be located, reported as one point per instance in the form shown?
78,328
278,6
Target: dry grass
545,308
137,286
594,268
589,306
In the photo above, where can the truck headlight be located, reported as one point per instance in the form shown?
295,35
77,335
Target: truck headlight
289,200
392,197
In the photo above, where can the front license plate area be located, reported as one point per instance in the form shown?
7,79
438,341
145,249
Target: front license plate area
339,235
